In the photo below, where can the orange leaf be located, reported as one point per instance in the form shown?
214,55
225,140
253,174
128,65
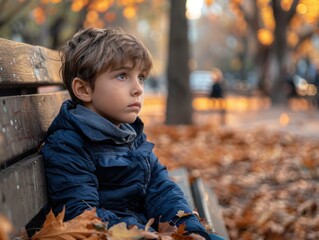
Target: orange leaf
179,235
77,228
166,228
181,229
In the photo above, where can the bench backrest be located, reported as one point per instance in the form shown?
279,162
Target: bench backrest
31,93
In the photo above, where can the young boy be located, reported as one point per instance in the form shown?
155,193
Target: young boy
96,154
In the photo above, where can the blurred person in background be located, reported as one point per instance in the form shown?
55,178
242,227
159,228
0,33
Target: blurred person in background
217,94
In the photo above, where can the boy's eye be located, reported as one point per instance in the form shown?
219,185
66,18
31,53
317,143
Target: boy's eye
121,76
141,78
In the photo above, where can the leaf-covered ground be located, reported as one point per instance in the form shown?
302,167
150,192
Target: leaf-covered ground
267,181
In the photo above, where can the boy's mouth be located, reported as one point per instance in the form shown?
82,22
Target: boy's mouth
135,105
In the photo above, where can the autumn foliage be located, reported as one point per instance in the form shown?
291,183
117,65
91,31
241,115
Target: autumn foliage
266,180
89,226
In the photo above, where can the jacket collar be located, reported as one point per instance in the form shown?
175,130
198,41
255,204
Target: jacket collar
96,128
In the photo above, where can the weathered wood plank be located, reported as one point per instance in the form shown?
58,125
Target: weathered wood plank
208,207
24,121
23,64
23,190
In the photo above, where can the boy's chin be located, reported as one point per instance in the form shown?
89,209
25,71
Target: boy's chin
131,120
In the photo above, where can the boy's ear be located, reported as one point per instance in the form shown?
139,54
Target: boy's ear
82,90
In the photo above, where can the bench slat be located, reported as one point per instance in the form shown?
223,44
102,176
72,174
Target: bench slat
24,121
23,190
22,64
208,207
201,198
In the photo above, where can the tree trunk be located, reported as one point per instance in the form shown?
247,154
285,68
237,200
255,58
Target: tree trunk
262,61
179,99
278,96
282,19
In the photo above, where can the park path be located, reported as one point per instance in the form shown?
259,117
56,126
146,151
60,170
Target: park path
303,123
245,113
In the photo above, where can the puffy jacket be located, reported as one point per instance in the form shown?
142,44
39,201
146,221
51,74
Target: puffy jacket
90,162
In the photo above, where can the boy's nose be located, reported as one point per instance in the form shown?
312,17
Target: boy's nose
138,88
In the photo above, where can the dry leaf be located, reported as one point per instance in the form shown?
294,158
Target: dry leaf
120,232
181,229
166,227
181,214
149,224
252,171
77,228
181,234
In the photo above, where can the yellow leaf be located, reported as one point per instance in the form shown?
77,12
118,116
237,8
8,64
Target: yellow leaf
120,232
149,224
181,214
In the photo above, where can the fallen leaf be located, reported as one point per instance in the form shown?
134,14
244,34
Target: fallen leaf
253,172
165,230
77,228
120,232
182,214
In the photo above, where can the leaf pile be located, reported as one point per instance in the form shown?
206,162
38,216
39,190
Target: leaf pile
89,226
266,180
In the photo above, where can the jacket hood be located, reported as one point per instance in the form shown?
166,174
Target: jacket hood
79,118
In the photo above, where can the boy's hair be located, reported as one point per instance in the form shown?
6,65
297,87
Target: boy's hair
93,51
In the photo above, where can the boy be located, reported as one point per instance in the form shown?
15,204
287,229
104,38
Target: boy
96,154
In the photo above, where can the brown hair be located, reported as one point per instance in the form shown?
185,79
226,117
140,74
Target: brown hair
93,51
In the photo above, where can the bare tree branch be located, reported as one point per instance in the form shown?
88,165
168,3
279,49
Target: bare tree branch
8,14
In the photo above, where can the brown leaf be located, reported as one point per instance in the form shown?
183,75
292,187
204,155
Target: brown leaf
181,237
77,228
165,227
260,175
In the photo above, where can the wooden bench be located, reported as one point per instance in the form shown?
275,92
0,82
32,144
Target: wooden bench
25,115
202,199
31,93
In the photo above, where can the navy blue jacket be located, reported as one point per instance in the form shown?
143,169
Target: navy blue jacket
90,162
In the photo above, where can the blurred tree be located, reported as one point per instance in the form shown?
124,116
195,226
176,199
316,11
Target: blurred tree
179,99
281,28
10,11
43,23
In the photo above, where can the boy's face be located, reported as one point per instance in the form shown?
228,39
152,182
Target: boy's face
118,94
